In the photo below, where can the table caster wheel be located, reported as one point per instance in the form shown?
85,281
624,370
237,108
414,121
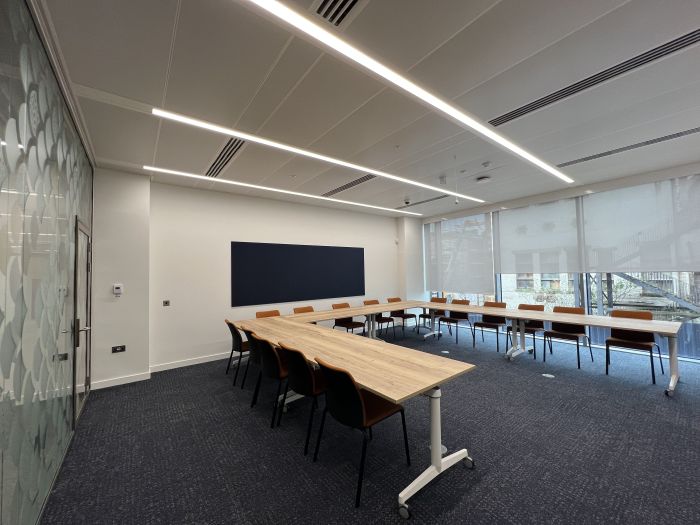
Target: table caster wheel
404,512
669,393
529,350
469,463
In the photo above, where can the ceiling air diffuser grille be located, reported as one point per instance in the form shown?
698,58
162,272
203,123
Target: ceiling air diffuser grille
224,157
349,185
335,11
422,202
628,65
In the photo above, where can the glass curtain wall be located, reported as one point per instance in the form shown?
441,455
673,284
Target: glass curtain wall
632,248
45,182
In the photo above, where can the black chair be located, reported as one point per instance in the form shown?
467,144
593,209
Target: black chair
380,319
236,346
348,323
253,355
567,332
490,321
427,316
633,339
453,318
401,314
272,367
357,408
303,379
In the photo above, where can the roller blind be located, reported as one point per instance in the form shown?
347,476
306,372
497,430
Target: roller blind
459,255
651,227
541,238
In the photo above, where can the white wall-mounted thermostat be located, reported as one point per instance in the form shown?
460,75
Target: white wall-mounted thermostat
117,289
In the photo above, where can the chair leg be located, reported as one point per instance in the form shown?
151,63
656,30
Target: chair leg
230,358
276,403
534,347
393,327
245,373
544,348
314,404
578,355
590,350
653,373
405,438
497,348
507,337
238,367
257,390
362,469
320,433
284,400
482,334
607,358
457,334
658,349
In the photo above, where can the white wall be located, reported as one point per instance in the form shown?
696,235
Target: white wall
120,255
191,231
410,234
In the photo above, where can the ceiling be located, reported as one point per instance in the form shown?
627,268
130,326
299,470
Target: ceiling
223,61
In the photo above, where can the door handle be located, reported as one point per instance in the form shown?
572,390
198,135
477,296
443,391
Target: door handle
60,357
85,329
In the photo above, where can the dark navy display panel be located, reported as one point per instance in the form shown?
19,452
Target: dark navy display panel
264,273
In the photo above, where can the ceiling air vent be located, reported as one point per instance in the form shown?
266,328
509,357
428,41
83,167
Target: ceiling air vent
422,202
224,157
628,65
335,11
630,147
349,185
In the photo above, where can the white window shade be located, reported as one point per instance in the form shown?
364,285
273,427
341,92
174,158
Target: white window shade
459,255
651,227
538,239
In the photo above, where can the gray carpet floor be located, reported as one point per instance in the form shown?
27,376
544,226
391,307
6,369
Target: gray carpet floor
579,447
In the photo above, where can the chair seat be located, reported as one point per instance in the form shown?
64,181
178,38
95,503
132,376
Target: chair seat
428,316
624,343
453,320
528,329
350,324
377,408
404,316
564,335
384,319
484,324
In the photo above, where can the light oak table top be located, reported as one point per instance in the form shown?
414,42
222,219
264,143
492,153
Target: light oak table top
665,328
393,372
326,315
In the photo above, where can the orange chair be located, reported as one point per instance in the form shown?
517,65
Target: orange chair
634,340
347,322
489,321
303,309
267,313
401,314
453,318
531,327
379,318
438,313
568,332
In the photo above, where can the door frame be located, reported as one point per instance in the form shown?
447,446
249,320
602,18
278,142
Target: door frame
81,227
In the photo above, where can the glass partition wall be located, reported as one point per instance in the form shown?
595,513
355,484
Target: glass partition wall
631,248
45,183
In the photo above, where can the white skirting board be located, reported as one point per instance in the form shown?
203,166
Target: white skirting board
105,383
190,361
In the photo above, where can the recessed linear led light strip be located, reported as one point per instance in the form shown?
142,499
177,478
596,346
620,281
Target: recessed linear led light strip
330,40
276,190
298,151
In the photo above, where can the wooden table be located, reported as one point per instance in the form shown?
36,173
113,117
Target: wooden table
370,311
390,371
668,329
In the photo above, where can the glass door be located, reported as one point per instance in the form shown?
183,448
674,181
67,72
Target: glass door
82,318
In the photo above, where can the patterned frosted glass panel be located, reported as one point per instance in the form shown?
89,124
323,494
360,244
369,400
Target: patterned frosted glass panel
540,239
45,181
652,227
458,255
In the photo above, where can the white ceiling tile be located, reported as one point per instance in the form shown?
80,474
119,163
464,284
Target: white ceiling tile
186,148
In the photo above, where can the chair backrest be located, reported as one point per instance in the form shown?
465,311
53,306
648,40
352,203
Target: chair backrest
254,353
301,376
237,340
267,313
369,302
441,300
459,315
535,308
343,398
632,335
568,328
271,364
340,306
395,313
303,309
496,319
